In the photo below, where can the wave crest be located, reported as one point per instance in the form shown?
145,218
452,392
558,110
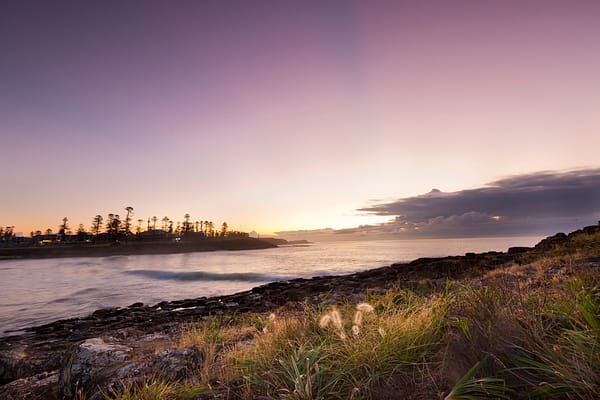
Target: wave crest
206,276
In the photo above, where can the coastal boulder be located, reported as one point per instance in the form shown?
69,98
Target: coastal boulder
89,364
176,364
34,387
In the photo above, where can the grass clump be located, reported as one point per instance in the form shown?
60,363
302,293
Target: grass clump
342,352
154,389
565,361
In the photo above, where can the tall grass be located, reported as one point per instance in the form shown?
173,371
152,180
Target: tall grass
343,352
154,389
566,360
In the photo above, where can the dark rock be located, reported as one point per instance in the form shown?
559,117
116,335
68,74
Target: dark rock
89,364
517,250
105,312
36,387
176,364
552,241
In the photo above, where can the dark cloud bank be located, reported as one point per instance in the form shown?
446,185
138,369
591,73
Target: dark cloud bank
540,203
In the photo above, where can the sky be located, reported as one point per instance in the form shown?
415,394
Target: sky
286,116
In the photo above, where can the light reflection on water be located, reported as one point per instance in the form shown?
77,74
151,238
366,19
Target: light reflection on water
35,292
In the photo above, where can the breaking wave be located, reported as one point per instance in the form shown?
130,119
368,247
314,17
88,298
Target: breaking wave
207,276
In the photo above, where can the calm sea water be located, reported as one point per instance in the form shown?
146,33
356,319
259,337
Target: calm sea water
34,292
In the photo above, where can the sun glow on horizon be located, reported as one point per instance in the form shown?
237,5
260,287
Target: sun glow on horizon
343,221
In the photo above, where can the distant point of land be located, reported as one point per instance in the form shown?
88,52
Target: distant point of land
134,248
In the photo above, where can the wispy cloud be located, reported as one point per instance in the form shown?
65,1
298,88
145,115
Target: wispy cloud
539,203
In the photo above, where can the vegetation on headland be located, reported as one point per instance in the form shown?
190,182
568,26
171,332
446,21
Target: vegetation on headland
528,330
113,228
114,235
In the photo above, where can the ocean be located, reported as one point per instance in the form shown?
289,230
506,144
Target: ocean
35,292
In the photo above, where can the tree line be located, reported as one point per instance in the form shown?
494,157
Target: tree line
116,228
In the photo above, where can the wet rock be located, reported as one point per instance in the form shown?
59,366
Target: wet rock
105,312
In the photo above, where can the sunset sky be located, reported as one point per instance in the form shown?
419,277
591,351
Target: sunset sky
300,115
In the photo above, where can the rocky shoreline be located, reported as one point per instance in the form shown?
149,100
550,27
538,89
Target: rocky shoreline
58,359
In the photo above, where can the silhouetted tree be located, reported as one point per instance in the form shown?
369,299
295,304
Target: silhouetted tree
80,233
7,233
165,223
113,226
154,219
196,226
49,231
109,223
63,228
97,225
129,210
211,228
138,230
224,229
186,223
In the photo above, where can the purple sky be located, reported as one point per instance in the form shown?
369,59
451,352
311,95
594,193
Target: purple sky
285,115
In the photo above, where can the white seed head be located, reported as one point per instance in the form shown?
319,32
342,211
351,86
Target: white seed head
325,320
272,317
364,307
381,331
342,335
358,317
355,330
336,318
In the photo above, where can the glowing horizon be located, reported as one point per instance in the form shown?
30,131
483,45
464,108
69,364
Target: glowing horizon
278,116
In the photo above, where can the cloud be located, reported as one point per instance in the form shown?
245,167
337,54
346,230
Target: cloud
537,203
538,195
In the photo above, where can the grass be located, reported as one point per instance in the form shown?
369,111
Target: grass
529,331
154,389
